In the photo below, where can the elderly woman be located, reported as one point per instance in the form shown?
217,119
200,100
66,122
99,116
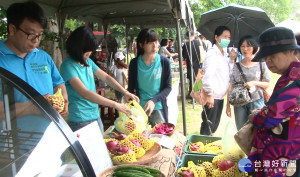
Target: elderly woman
276,145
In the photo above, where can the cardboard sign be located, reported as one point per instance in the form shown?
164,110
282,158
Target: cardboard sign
94,146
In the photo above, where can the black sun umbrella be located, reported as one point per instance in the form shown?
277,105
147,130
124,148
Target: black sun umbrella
241,20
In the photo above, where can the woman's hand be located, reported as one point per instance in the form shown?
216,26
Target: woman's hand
210,101
228,110
128,96
249,84
233,55
123,108
149,106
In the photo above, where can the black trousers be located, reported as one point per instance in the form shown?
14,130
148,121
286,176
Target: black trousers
214,115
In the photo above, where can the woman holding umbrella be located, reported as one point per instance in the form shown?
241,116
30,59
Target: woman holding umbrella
215,80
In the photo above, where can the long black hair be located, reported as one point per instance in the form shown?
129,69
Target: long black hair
145,36
80,41
219,31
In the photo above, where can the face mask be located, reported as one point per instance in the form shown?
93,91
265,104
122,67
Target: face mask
224,43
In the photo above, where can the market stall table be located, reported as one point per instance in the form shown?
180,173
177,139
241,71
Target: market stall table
166,161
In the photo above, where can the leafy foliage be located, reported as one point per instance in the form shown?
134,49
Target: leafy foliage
3,24
277,10
72,24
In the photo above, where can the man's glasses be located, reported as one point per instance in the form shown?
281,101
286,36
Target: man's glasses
31,36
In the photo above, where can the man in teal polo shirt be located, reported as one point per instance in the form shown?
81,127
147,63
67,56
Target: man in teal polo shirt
19,55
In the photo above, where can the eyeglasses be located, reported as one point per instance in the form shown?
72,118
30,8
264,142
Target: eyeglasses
31,36
243,47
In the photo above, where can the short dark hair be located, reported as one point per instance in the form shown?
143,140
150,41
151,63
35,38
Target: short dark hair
80,41
163,42
145,36
250,41
187,33
17,12
219,31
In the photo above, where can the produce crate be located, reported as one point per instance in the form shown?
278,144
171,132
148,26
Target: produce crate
196,158
196,138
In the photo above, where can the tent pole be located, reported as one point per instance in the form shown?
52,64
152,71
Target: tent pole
182,80
191,65
127,28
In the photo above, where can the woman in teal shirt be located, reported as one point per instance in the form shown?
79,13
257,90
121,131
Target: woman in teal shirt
78,71
149,77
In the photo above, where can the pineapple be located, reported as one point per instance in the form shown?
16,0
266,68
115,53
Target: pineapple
57,101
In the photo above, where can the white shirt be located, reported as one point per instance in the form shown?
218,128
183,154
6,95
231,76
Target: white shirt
118,74
217,68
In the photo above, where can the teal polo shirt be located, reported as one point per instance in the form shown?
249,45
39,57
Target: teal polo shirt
37,69
80,109
149,80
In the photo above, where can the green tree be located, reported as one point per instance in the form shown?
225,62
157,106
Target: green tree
277,10
200,6
3,24
72,24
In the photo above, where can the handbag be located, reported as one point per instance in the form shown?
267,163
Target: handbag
244,137
266,91
239,95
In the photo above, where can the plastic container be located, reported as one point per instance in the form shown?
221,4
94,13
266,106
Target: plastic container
196,158
202,138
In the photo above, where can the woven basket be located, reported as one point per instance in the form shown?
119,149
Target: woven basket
149,157
169,125
108,172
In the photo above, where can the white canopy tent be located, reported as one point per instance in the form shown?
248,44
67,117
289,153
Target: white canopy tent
144,13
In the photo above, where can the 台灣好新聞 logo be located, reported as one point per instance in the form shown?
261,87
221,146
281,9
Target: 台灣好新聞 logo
245,165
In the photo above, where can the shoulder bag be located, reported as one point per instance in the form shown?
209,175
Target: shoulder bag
239,95
244,137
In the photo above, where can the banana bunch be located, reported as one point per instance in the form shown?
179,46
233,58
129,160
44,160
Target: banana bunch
57,101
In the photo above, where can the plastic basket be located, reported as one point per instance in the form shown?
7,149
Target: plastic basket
202,138
196,158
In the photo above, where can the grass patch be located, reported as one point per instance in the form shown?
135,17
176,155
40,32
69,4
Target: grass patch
193,116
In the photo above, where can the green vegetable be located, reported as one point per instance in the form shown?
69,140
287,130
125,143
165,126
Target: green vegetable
132,173
152,170
142,169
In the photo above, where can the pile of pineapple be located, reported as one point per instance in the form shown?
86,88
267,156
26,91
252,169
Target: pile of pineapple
137,121
57,100
210,148
128,148
221,166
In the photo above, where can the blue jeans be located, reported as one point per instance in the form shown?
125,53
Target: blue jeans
242,113
78,125
156,118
